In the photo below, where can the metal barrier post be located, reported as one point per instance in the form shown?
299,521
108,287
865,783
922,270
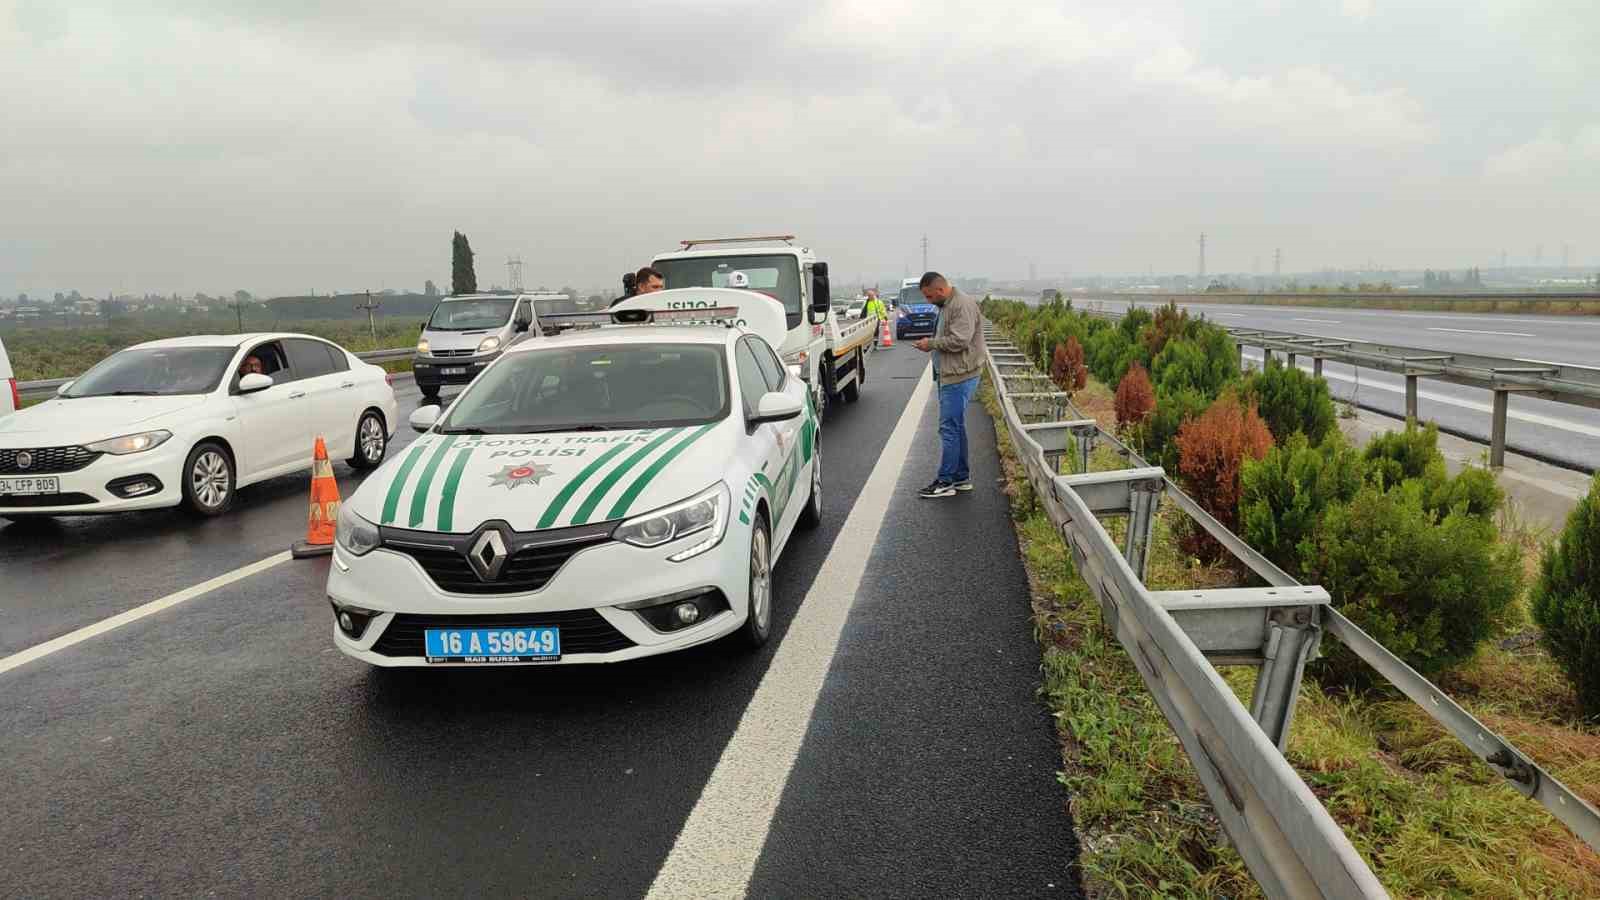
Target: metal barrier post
1316,366
1143,502
1497,430
1411,397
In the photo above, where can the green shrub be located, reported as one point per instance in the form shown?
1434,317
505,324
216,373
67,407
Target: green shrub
1156,437
1430,589
1205,363
1111,352
1285,495
1566,600
1133,322
1397,455
1289,400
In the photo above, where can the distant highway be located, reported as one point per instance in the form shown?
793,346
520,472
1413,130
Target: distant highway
1556,432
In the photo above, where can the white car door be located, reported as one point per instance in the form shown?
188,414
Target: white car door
330,407
775,441
272,423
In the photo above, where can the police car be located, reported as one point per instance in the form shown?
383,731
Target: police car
607,492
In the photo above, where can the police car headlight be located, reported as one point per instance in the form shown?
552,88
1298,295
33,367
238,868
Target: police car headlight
489,345
130,443
422,346
355,534
704,513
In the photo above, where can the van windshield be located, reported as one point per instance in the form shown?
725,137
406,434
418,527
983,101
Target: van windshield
911,295
471,314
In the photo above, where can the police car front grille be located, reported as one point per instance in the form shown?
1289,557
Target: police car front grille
46,460
582,630
526,570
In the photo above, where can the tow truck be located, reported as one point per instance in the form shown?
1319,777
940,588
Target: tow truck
829,350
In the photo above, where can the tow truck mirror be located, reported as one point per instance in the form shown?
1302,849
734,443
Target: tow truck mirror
776,406
424,417
821,293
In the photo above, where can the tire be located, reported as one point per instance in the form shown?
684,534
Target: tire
852,391
758,623
820,397
430,397
372,441
208,479
811,516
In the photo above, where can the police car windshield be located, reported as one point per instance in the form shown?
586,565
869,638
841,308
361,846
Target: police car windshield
595,388
473,314
776,276
154,371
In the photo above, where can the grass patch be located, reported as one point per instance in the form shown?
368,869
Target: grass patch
1430,819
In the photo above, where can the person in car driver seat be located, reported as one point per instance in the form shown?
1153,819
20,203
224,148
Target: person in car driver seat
252,366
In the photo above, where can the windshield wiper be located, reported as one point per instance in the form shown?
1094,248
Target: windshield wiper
115,394
465,430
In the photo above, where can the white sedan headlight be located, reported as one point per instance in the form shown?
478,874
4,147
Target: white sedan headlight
489,345
355,534
705,512
130,443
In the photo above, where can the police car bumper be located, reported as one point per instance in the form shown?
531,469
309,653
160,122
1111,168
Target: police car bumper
611,602
149,480
432,371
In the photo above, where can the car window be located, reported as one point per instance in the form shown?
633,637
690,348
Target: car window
595,387
308,358
268,358
752,383
473,314
156,371
768,361
341,361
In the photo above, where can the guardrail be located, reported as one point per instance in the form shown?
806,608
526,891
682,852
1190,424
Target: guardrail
1560,382
35,389
1176,639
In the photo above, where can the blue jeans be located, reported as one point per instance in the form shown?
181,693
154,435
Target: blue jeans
953,400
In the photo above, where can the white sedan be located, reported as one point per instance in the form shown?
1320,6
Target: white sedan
593,496
190,420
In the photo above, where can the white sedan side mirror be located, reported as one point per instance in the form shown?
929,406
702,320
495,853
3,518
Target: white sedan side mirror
423,418
776,407
796,371
62,391
253,382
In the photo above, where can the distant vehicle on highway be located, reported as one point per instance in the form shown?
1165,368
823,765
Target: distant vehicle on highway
598,495
191,420
10,397
856,309
914,315
466,332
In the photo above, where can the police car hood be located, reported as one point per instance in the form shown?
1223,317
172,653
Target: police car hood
454,483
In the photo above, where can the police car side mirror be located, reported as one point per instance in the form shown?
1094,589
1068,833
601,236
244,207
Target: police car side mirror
423,418
776,406
253,382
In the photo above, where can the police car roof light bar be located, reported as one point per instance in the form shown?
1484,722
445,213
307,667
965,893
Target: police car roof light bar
786,238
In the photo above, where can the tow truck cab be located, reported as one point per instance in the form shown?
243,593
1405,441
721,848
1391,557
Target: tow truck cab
914,316
830,354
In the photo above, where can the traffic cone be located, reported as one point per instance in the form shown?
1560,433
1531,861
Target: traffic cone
324,510
886,334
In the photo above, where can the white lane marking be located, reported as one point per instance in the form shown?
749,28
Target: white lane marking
1475,331
39,651
1531,418
1319,321
716,852
1230,315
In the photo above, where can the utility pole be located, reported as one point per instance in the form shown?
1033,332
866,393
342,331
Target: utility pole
924,252
514,271
369,305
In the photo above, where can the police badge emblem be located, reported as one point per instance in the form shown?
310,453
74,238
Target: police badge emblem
516,474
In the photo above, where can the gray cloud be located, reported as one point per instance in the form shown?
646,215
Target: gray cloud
283,146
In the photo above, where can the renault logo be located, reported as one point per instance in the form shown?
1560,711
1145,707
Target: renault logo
488,554
24,459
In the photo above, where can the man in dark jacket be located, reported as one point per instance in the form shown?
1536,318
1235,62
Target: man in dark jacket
958,353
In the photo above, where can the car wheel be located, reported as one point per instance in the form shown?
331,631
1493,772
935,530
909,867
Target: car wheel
430,398
758,624
811,516
372,441
208,480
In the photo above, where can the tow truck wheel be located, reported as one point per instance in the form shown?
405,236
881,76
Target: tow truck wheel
852,391
758,624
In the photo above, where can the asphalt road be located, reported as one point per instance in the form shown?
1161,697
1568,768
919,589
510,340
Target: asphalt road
1555,432
222,746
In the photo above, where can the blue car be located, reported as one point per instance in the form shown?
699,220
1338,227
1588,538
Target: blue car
914,316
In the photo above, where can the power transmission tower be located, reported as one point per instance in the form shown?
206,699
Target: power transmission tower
924,252
1202,275
514,270
370,305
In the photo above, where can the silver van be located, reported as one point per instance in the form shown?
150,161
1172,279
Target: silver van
467,332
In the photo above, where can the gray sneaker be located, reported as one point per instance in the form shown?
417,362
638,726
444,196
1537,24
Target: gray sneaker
937,489
964,484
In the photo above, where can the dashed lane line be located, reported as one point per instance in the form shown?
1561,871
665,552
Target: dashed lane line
1476,331
715,854
40,651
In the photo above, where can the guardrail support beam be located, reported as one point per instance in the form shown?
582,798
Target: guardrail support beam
1291,359
1266,358
1144,502
1497,430
1316,366
1411,397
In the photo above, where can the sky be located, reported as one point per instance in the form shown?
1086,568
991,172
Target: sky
294,145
